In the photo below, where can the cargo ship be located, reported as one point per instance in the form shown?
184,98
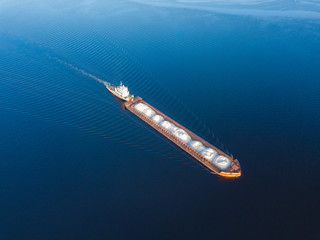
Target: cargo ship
214,159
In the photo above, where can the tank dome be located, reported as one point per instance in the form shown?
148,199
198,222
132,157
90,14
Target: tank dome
157,118
167,125
149,112
181,134
141,107
222,162
209,153
196,145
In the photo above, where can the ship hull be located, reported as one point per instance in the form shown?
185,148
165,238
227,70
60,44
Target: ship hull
233,171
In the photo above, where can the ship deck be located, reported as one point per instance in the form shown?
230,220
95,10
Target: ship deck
233,171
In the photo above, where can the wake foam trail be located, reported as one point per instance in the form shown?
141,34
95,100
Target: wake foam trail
81,71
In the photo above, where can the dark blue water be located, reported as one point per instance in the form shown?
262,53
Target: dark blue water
75,165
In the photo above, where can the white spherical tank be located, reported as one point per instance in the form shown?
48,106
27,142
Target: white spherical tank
141,107
209,153
167,125
181,134
222,162
157,118
196,145
149,112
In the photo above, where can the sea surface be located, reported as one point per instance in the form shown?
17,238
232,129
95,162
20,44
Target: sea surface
74,164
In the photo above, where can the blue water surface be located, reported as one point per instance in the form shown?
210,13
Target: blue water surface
74,164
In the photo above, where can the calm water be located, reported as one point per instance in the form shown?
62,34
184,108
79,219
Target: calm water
75,165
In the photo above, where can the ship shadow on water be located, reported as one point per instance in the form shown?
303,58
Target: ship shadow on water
119,102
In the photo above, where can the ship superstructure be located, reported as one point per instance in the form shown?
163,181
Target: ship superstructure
120,91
